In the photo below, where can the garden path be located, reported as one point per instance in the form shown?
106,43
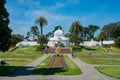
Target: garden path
89,73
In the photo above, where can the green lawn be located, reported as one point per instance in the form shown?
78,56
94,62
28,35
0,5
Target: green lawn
17,59
98,56
113,71
42,68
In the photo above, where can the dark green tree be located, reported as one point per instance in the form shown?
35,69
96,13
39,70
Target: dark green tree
28,35
112,30
85,33
5,31
42,39
92,29
16,38
42,22
117,42
75,33
34,31
101,37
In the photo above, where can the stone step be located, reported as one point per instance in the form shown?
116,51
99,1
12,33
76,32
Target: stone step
63,50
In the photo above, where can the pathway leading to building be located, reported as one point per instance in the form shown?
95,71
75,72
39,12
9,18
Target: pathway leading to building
89,72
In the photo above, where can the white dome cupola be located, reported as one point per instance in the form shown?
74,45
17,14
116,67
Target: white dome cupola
58,32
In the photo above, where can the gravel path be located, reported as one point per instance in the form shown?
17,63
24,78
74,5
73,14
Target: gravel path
89,72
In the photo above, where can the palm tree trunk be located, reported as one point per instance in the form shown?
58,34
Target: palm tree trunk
41,30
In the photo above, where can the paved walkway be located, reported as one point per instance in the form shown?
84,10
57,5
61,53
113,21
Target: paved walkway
89,72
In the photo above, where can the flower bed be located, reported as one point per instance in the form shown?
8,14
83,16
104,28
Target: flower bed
57,62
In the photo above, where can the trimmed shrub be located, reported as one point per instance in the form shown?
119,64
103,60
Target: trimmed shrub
104,49
76,48
40,48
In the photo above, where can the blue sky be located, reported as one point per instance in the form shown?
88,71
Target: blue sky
61,12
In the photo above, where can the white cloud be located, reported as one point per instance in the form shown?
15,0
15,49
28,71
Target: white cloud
62,4
72,2
57,5
53,19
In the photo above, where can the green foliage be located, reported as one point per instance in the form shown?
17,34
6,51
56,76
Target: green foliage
113,71
75,33
117,42
115,48
91,30
89,48
112,30
42,39
16,38
40,48
5,31
34,31
103,48
76,48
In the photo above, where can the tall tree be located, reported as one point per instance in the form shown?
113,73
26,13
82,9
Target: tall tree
34,31
112,30
85,33
75,31
5,31
42,39
117,42
42,22
92,29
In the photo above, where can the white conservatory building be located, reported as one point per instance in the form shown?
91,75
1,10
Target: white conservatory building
57,39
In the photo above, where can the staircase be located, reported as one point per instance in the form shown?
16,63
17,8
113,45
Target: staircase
64,50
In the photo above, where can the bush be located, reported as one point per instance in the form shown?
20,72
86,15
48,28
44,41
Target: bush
40,48
89,48
76,48
117,42
104,49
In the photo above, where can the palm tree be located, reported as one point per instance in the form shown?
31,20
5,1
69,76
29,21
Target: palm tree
75,31
42,39
34,31
76,28
42,22
101,37
28,35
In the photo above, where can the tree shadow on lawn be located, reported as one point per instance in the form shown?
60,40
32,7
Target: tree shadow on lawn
13,71
48,71
7,70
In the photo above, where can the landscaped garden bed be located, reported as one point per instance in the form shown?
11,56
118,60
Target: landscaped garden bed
99,57
43,69
17,59
57,62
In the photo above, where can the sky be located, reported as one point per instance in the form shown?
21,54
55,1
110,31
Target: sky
23,13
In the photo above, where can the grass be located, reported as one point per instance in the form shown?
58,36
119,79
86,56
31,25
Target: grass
113,71
17,59
42,68
98,56
57,62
